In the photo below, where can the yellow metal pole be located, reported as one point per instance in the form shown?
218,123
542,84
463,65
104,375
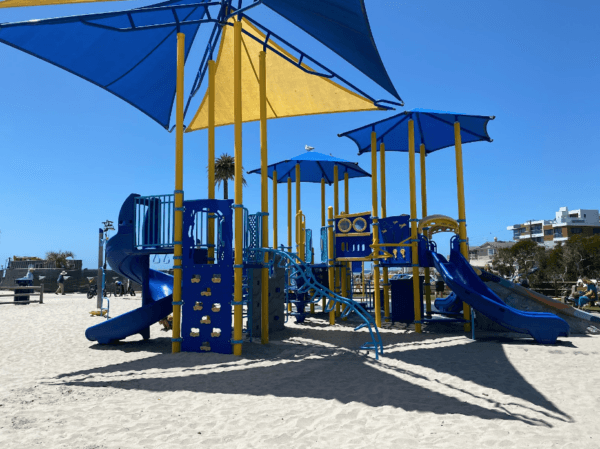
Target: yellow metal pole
376,293
298,205
239,218
386,277
178,228
413,224
275,240
289,220
336,211
302,235
289,211
323,300
423,155
330,259
346,197
264,298
212,68
462,219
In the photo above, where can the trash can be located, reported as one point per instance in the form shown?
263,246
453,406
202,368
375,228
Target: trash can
23,283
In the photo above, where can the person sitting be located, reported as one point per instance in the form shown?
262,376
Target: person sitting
590,294
576,292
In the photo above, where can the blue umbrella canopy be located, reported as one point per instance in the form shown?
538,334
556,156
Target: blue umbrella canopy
434,129
131,54
314,167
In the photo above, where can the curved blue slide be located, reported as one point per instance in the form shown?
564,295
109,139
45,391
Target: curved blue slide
462,279
157,287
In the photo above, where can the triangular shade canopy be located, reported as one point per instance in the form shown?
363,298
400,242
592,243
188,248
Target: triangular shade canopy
434,129
291,92
314,167
20,3
343,26
136,64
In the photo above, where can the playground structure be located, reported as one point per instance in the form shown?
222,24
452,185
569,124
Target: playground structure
210,259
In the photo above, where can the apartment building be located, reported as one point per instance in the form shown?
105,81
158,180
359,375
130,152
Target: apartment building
566,223
482,255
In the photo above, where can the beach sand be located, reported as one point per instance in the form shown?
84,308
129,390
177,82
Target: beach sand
309,388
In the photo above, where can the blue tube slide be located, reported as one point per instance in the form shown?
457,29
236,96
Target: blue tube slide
157,287
461,278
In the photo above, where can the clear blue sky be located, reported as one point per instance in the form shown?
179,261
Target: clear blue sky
71,152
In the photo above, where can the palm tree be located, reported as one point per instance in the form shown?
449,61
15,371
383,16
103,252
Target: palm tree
60,257
224,171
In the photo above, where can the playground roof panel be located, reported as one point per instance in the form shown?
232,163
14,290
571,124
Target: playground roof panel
314,167
291,91
343,26
109,50
434,129
19,3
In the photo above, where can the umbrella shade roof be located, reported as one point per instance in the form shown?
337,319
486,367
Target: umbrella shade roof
434,129
290,91
18,3
314,167
343,26
131,54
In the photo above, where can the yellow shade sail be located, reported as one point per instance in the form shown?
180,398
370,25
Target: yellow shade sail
291,92
20,3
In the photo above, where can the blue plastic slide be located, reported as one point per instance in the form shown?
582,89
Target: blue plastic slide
462,279
157,287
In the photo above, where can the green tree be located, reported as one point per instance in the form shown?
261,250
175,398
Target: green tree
582,256
60,257
519,259
225,171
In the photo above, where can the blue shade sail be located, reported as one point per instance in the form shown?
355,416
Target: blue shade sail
342,26
131,54
314,167
434,129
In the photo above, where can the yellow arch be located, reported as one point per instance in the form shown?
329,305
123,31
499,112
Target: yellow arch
432,224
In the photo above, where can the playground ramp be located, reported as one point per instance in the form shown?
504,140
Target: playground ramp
157,287
462,279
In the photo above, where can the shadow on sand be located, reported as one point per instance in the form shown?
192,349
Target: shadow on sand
323,364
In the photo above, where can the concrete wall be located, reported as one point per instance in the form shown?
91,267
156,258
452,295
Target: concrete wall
77,282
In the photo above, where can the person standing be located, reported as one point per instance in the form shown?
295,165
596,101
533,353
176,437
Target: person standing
61,283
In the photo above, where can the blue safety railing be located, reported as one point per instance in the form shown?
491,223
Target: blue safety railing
308,249
306,283
154,219
324,244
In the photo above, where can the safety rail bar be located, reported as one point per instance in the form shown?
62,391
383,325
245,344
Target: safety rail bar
302,270
154,220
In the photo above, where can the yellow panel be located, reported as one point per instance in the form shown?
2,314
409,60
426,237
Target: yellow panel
19,3
290,91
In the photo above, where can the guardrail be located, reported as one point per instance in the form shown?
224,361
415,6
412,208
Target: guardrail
154,221
40,293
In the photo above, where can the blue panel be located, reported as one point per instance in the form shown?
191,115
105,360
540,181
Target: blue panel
434,129
348,245
138,66
207,290
314,167
341,25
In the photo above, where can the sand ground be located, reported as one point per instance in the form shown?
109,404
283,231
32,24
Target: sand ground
309,388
